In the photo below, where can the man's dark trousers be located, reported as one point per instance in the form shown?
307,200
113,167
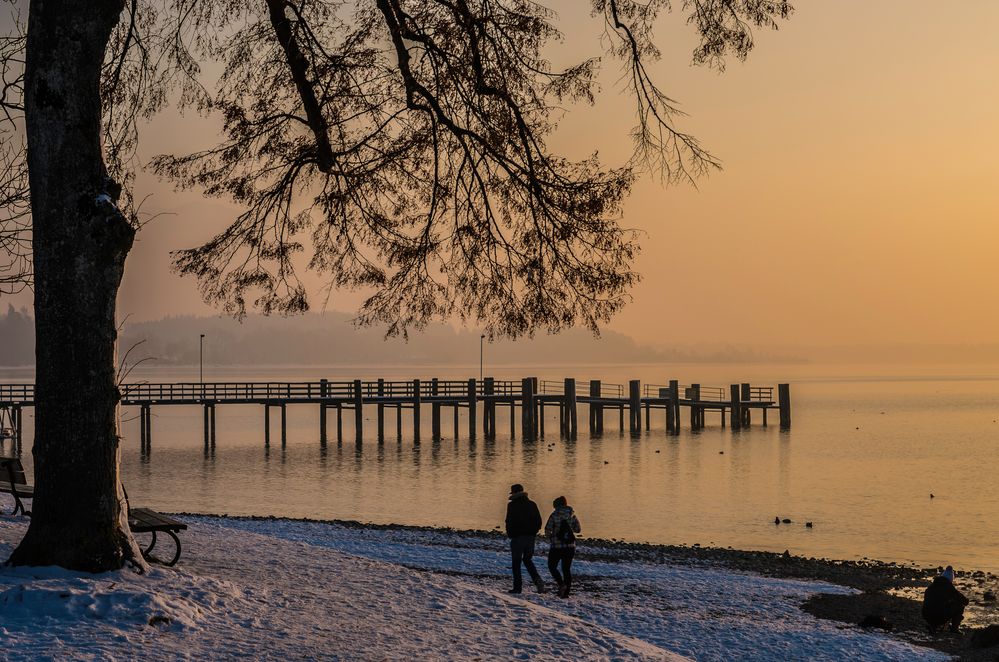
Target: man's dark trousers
522,549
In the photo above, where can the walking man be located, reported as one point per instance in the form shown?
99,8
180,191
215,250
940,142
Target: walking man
523,521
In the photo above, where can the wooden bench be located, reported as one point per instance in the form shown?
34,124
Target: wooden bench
140,520
144,520
14,481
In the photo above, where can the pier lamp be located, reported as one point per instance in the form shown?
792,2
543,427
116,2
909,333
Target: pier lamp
201,361
482,339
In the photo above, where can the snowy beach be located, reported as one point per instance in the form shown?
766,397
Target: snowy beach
286,589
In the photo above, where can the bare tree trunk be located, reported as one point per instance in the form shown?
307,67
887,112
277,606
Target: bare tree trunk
80,243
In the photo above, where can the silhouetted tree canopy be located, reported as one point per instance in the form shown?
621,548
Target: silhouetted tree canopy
401,146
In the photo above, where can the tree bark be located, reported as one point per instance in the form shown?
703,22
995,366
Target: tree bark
80,241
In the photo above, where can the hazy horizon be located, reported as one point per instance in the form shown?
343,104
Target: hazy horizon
331,339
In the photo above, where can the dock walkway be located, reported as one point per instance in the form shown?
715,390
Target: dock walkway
735,404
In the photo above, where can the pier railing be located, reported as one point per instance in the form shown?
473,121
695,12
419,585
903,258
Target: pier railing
345,390
655,390
234,391
17,393
551,387
611,390
739,402
704,393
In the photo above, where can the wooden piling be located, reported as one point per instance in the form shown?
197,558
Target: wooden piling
324,392
207,427
18,415
634,407
489,409
673,417
594,385
284,424
594,393
563,413
527,409
735,403
695,397
267,423
322,423
784,403
416,410
358,412
473,398
537,409
746,394
381,410
570,406
339,423
435,409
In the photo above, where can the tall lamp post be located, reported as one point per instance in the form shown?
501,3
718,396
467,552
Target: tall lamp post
482,339
201,362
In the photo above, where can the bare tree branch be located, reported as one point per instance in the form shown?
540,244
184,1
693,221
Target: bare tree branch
15,208
404,142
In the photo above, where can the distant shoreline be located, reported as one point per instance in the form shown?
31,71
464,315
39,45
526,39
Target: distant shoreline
866,574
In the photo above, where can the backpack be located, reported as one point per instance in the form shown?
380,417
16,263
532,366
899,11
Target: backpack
564,534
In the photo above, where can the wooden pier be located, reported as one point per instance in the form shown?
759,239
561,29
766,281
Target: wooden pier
736,405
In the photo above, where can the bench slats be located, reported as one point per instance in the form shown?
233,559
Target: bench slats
11,466
22,490
144,520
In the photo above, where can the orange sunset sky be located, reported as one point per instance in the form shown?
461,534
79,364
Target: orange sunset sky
857,205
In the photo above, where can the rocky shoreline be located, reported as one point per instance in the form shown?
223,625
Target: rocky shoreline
884,589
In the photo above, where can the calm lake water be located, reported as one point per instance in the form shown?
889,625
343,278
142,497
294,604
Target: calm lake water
867,448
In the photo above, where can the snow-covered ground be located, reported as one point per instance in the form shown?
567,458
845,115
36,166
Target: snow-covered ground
277,589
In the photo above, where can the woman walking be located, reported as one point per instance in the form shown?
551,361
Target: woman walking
561,531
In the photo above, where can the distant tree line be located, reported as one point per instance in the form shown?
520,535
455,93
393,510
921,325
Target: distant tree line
17,337
331,339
